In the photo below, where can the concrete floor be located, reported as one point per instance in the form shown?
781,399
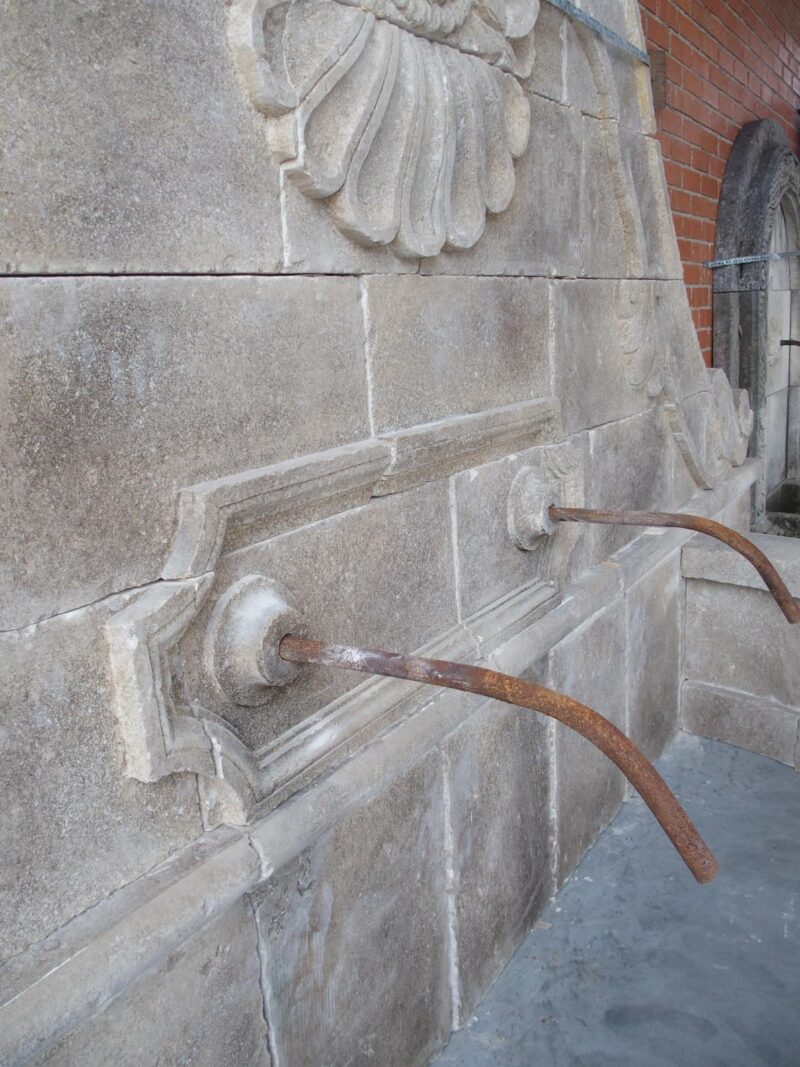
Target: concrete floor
634,965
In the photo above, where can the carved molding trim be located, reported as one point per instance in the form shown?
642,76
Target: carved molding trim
163,730
405,115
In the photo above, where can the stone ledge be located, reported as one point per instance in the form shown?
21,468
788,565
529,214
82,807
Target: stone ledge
758,724
712,561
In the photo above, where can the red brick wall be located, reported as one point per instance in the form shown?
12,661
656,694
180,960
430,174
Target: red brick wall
728,61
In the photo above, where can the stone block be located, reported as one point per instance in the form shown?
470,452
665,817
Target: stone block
676,336
379,576
452,346
590,666
628,467
738,639
547,76
490,564
603,240
74,827
202,1007
354,936
537,233
497,772
654,656
645,168
757,724
118,392
714,562
591,369
130,146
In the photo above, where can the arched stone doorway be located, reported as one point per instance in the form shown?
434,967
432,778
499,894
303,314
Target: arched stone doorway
757,314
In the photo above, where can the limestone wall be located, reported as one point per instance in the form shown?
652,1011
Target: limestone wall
249,328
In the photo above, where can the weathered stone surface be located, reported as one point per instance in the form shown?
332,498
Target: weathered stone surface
315,244
450,346
129,145
547,76
74,827
347,595
755,723
590,666
645,167
202,1007
676,335
590,366
120,392
537,234
604,81
497,773
605,251
710,560
354,935
406,122
490,564
628,467
654,656
738,639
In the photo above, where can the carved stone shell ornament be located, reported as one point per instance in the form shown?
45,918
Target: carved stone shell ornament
405,115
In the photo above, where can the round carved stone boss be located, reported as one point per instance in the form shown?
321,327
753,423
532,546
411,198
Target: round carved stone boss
529,500
242,644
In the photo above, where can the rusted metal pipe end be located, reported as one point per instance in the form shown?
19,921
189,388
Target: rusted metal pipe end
752,553
642,775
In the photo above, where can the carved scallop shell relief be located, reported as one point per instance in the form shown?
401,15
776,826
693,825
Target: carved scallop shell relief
404,115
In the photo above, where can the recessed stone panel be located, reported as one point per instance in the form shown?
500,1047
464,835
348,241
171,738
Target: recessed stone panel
490,564
379,576
118,393
129,145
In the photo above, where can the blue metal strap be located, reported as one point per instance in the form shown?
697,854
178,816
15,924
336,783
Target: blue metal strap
741,260
600,29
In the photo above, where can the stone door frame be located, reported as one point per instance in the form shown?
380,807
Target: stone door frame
762,177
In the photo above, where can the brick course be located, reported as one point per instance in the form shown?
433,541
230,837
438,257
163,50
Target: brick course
728,62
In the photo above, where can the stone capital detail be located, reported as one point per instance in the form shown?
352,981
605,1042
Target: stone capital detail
404,115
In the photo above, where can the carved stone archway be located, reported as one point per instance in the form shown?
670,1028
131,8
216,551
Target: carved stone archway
760,202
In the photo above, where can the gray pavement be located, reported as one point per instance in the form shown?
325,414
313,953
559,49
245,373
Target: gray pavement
635,965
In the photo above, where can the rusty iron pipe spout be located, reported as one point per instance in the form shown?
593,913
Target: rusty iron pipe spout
590,724
776,585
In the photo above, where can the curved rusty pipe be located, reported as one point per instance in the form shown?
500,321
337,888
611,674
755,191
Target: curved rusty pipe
776,585
603,734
